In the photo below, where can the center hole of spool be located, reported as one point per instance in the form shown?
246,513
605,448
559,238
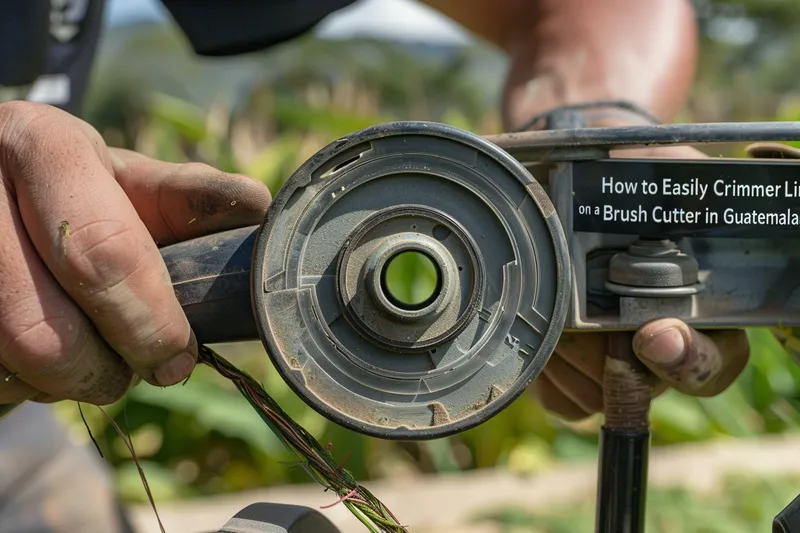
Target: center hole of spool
411,280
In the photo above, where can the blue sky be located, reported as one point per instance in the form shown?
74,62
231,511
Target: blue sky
389,19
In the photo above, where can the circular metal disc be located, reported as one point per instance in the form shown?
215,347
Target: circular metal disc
370,363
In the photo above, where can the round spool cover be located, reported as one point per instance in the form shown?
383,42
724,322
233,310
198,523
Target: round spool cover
452,362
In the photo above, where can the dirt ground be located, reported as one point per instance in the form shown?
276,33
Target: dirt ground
457,497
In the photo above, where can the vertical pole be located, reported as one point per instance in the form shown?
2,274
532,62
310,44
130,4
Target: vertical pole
624,440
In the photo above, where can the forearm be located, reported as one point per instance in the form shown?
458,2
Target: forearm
574,51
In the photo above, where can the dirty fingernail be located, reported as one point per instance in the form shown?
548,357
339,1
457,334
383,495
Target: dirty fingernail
175,370
663,348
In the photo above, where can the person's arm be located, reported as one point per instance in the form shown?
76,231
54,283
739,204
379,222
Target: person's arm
578,51
575,51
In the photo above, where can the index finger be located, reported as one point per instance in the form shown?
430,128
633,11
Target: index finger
89,235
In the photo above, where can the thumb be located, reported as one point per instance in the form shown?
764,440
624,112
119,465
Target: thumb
694,363
180,201
772,150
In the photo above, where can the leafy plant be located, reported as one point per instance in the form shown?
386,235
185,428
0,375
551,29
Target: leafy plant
200,439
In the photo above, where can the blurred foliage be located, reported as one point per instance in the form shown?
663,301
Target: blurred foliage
202,438
743,505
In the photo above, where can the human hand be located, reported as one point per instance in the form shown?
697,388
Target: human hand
86,303
679,357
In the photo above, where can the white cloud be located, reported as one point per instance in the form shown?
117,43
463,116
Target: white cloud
405,20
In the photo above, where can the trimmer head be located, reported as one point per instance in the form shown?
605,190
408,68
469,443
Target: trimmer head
361,355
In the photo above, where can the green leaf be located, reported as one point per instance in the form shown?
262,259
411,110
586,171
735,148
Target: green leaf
529,456
454,117
787,412
299,114
185,118
269,166
441,454
163,483
569,446
226,412
676,417
731,413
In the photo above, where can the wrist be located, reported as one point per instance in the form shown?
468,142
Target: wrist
590,114
608,114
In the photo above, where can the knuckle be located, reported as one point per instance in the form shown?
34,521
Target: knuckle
125,289
19,127
31,131
61,351
102,255
27,125
16,110
50,347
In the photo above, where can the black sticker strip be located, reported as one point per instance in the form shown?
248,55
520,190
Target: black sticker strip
663,198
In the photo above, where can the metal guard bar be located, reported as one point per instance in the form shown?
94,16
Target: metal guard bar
518,144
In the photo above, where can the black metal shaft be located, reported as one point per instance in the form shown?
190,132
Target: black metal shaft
624,440
622,481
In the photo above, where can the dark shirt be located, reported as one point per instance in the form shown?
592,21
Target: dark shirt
212,27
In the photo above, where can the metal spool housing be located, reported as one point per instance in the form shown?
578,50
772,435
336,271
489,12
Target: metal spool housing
376,365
